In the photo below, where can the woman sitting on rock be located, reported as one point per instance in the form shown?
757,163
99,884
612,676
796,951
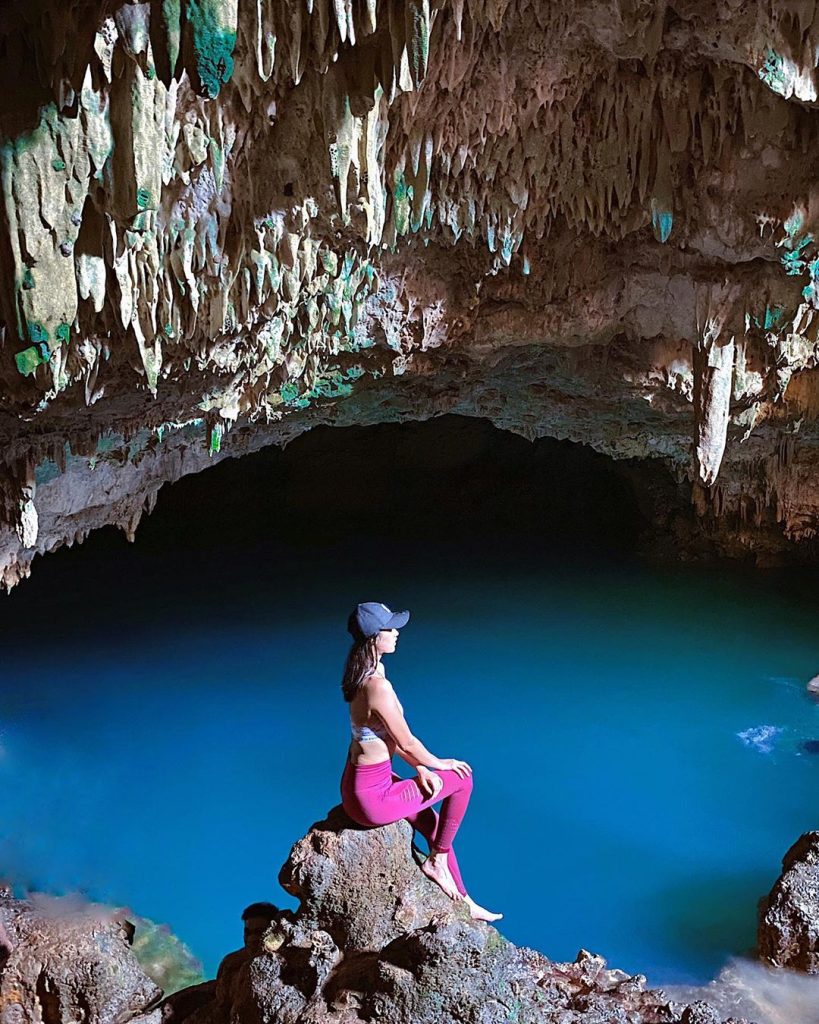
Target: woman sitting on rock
371,793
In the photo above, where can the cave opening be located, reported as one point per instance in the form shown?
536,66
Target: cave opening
447,481
625,722
451,489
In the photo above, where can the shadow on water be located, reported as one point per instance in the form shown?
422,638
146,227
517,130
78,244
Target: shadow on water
707,919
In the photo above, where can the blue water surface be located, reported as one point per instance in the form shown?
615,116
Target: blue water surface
635,735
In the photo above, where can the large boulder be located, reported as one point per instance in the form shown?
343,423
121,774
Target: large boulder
374,939
788,933
69,961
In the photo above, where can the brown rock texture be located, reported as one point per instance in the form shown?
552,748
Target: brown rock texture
225,221
69,963
375,940
788,934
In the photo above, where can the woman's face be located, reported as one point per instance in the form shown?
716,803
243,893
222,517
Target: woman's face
385,641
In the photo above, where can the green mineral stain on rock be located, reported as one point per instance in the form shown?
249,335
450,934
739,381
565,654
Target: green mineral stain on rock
46,471
216,438
58,165
402,195
662,220
793,225
773,73
143,198
168,328
170,18
809,292
289,391
332,385
355,344
28,279
30,358
217,155
108,442
213,43
63,333
36,332
793,261
773,317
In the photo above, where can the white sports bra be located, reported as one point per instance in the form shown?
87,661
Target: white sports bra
363,733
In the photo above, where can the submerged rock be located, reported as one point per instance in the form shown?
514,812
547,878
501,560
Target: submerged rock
374,939
788,934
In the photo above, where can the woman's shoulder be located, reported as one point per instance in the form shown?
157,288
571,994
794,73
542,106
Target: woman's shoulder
376,682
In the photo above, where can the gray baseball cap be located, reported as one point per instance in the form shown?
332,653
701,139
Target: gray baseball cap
371,616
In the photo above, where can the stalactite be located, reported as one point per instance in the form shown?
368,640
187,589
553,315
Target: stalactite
172,210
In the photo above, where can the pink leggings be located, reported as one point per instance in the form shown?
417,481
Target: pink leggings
372,794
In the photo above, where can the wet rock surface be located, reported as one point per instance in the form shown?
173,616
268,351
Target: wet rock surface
374,940
788,934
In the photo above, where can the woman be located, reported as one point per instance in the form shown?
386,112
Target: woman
371,793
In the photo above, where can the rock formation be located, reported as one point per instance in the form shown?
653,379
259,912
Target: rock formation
225,221
789,916
69,963
374,939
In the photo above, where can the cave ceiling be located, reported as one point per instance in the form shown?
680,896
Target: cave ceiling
227,221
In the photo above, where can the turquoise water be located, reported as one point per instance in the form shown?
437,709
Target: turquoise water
172,723
616,806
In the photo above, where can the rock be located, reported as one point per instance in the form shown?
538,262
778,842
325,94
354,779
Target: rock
296,213
813,685
374,939
6,945
700,1013
70,961
183,1004
788,933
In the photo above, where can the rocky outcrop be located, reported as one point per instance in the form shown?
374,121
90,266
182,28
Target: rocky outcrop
374,939
788,933
224,222
69,962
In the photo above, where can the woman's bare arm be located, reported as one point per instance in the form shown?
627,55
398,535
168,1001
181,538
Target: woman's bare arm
412,760
383,701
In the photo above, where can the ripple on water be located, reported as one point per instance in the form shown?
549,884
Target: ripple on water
761,737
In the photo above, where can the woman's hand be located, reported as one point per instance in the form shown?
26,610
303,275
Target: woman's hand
428,782
454,765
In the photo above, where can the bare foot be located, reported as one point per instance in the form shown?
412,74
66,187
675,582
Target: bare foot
479,913
436,868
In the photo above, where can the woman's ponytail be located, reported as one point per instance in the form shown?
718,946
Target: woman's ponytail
361,661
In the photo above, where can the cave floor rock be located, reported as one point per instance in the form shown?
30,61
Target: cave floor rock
374,940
